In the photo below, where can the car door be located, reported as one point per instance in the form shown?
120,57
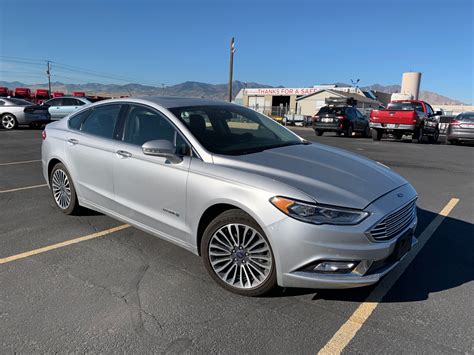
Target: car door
54,108
90,152
151,190
68,106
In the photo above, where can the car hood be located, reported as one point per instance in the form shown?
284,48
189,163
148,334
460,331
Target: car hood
329,175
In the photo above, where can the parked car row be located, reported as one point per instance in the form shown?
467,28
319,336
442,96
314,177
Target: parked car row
15,112
401,117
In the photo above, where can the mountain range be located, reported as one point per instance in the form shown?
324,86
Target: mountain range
198,89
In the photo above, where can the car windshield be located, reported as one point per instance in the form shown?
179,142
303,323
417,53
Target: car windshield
19,102
234,130
405,106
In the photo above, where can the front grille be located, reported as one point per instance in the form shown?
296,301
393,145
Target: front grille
394,223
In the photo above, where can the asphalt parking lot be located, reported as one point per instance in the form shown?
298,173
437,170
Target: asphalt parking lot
128,291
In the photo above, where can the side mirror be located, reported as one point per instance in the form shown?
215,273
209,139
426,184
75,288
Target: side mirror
162,148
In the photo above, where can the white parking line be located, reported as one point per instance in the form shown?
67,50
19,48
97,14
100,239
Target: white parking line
22,188
20,162
350,328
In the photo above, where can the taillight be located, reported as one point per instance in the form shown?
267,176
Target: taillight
341,118
455,123
43,134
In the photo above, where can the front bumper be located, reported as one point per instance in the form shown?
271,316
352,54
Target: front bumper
297,244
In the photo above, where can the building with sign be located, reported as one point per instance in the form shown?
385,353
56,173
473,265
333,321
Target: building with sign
279,101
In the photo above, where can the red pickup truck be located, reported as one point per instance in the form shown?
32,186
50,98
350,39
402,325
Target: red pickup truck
410,117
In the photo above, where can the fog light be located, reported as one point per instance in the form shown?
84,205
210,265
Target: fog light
335,266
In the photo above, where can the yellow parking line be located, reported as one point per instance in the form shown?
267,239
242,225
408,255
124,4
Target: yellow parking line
63,244
22,188
350,328
20,162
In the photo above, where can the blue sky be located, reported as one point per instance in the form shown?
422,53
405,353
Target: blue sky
291,43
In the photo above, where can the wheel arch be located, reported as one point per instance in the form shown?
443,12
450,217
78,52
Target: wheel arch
51,165
211,212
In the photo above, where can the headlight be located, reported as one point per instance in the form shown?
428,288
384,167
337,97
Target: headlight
318,214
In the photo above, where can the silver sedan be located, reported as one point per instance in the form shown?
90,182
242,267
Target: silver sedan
15,112
262,206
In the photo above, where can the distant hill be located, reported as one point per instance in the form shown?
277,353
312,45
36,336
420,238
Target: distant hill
196,89
187,89
428,96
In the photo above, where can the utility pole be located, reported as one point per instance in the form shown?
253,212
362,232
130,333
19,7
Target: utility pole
163,89
231,67
48,72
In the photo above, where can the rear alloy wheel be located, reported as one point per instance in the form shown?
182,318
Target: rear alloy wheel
237,254
9,121
377,134
62,189
319,133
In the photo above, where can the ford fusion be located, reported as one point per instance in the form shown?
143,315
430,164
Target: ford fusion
260,205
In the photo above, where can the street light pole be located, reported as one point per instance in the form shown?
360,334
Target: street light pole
231,67
48,72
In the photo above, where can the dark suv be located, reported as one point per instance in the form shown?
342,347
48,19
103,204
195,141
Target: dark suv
340,119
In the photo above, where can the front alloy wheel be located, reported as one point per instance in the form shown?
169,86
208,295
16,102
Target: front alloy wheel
238,255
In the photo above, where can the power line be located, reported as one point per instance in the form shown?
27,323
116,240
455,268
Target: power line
71,68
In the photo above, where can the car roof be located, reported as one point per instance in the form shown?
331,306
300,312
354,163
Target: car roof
70,97
172,101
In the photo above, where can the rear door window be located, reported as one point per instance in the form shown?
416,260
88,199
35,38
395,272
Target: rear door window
101,121
69,102
76,120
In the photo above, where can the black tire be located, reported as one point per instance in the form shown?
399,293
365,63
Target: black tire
377,134
8,121
453,142
236,216
72,207
318,132
398,136
338,134
366,133
434,138
418,135
349,131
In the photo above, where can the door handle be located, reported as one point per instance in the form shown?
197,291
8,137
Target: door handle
123,154
72,141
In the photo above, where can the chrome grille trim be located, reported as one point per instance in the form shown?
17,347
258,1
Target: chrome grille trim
394,223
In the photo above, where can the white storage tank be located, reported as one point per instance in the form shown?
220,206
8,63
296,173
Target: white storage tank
411,84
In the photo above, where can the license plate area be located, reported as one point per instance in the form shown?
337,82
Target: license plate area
391,125
327,120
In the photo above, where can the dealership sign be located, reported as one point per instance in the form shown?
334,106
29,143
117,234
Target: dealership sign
281,91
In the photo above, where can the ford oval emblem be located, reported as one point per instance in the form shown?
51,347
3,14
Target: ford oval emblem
400,195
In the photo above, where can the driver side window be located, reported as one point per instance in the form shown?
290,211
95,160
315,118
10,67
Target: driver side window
144,124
